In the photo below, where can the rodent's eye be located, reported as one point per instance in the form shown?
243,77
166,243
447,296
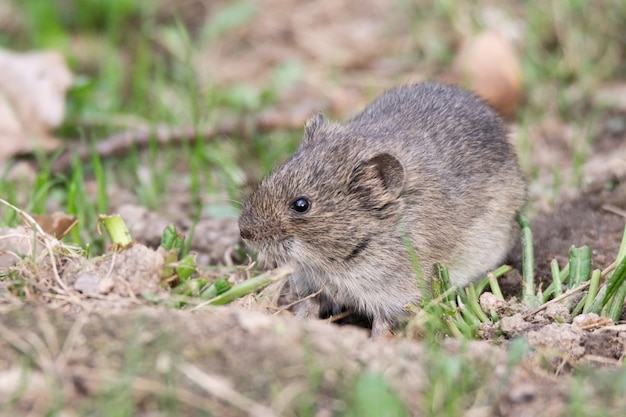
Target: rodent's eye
300,205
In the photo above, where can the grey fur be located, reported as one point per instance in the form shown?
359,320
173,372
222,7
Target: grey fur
427,162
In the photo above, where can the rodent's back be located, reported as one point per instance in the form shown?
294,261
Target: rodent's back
446,138
463,183
440,121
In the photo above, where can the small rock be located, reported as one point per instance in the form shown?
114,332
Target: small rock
87,284
214,240
489,302
145,226
565,338
513,325
553,313
591,321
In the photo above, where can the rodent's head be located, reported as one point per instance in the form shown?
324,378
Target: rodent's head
326,203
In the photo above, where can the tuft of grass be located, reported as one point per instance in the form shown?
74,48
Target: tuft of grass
455,383
456,312
372,397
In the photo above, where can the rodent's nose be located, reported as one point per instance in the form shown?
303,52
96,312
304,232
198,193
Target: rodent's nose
245,233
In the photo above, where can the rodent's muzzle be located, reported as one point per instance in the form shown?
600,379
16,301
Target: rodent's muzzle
255,231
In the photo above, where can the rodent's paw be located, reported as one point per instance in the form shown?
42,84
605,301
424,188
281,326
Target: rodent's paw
306,308
381,328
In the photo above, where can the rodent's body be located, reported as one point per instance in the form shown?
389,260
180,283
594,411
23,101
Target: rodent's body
425,168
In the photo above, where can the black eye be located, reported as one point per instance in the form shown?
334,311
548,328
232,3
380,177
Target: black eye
301,205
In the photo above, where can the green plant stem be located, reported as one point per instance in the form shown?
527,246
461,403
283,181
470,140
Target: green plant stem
615,280
621,252
593,290
446,285
495,287
116,229
616,291
251,285
563,277
474,306
580,265
102,200
579,307
468,315
454,330
598,301
220,286
556,278
528,263
492,280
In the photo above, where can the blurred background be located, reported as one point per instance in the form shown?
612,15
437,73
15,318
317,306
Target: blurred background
176,108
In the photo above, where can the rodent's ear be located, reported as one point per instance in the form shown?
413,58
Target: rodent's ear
378,180
312,125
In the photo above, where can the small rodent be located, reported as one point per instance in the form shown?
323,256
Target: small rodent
426,165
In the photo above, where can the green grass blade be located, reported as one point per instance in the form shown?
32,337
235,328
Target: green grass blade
579,307
556,278
616,280
472,303
621,253
250,285
441,272
593,291
372,397
492,280
616,291
414,259
580,265
528,263
468,315
218,287
102,199
598,301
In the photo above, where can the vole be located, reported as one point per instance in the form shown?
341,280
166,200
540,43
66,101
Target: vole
424,170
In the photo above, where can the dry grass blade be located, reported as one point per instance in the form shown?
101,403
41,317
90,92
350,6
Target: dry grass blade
569,293
298,301
248,286
52,246
50,242
45,350
615,210
143,384
219,388
119,143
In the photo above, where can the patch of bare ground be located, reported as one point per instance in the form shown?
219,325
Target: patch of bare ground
232,362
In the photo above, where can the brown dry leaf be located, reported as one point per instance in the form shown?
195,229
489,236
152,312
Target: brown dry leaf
32,100
56,224
488,65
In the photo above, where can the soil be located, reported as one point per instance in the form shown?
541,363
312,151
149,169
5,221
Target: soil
82,326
